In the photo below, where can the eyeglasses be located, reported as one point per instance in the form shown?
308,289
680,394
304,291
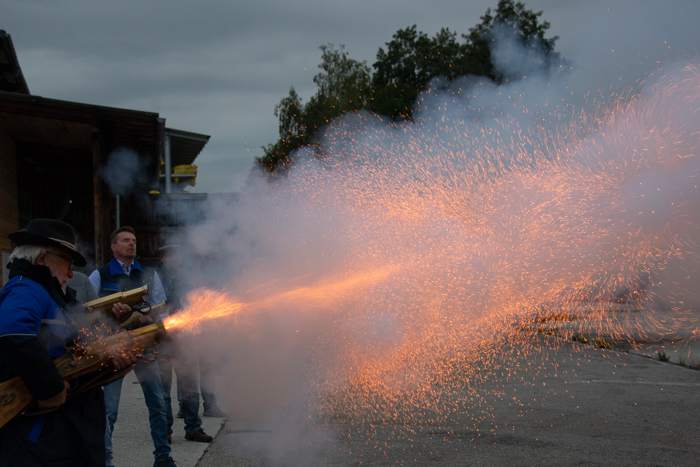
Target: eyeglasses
70,260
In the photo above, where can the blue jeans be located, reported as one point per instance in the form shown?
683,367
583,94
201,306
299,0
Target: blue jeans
148,374
186,370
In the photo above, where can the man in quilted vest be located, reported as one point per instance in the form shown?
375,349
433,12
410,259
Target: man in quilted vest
124,273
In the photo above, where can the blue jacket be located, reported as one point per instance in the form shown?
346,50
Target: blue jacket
36,321
33,329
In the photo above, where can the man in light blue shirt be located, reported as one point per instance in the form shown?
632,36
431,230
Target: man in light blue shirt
123,273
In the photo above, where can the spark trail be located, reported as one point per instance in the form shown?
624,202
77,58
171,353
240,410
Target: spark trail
207,304
469,227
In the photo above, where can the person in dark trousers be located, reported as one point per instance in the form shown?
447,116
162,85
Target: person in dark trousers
207,384
124,273
180,264
179,356
39,319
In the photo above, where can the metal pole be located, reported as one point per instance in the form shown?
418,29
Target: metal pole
168,164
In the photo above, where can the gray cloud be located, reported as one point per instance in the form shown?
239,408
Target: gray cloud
219,67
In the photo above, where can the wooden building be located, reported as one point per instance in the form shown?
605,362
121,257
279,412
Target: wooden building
52,153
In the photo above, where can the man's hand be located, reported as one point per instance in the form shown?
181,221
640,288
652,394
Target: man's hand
121,311
122,359
145,319
55,401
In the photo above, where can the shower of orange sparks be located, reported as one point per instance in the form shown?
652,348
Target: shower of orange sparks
545,239
206,304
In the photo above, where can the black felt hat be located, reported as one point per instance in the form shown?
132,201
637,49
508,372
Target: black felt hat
49,232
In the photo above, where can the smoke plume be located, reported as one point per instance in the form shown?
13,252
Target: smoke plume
372,275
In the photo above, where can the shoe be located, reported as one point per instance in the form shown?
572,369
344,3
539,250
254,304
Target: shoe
179,414
170,436
213,410
200,436
164,462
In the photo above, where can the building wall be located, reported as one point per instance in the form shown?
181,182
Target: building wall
9,217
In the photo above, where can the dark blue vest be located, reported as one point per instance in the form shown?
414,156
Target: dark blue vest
113,278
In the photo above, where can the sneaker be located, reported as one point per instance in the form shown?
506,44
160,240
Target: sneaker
164,462
200,436
213,410
179,414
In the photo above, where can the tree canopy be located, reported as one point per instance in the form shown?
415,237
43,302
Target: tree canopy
410,61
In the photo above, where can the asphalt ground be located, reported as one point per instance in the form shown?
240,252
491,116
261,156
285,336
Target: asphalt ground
577,405
540,400
132,443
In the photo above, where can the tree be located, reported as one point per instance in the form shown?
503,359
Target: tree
292,132
410,61
523,23
401,72
342,86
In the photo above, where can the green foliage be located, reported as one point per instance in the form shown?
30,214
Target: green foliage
602,343
525,26
663,357
411,60
579,338
342,86
292,131
598,342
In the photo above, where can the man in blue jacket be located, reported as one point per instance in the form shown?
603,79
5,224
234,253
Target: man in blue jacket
39,318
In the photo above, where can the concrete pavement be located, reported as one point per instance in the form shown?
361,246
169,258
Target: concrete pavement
558,402
544,401
132,442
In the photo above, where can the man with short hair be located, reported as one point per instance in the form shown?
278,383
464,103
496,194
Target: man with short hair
124,273
39,319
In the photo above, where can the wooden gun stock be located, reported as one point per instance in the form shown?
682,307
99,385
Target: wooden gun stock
101,308
130,297
15,397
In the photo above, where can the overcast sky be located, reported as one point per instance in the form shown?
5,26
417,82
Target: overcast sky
219,67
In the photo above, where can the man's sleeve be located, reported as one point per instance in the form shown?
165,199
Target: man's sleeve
20,349
26,358
96,281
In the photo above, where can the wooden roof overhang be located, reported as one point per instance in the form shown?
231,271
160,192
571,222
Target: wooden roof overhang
80,131
74,125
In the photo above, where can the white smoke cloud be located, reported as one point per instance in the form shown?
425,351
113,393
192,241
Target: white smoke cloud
408,245
124,172
514,59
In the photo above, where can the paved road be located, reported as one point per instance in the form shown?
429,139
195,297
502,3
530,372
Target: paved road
571,404
557,403
133,446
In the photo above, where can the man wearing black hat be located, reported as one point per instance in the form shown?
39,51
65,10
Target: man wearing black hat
38,317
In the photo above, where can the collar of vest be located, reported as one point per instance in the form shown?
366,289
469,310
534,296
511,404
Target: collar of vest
115,267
